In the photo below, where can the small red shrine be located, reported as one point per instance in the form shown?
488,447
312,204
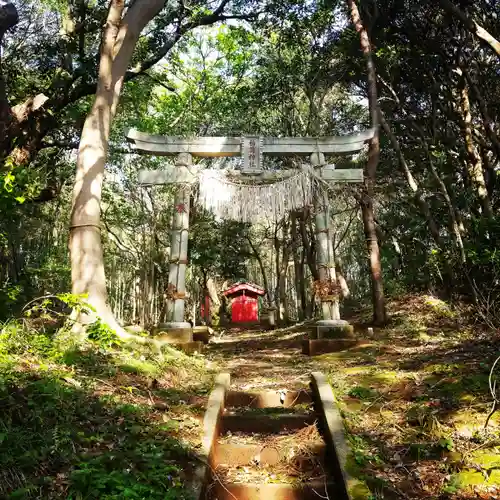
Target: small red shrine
244,298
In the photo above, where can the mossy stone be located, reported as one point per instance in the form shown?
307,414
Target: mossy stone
487,460
469,477
335,331
358,490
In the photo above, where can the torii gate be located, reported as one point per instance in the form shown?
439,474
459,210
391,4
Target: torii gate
252,149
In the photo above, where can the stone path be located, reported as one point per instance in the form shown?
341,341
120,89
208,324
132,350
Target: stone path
268,445
263,360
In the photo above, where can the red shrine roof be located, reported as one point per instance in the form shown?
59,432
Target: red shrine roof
240,287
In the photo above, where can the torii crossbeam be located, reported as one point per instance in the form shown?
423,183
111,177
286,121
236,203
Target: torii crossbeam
251,149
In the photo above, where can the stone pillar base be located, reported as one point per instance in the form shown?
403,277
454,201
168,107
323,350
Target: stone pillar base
322,346
332,329
174,333
201,333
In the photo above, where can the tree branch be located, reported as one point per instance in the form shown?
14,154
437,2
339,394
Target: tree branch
221,7
472,25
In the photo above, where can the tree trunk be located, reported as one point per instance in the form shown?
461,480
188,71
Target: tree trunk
488,123
377,285
454,223
282,257
308,245
284,314
262,270
412,183
342,282
8,19
474,162
369,226
298,265
87,264
215,302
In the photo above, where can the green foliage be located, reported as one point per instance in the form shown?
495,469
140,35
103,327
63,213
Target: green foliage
17,337
9,295
150,476
58,433
102,335
219,248
446,443
361,392
362,453
107,450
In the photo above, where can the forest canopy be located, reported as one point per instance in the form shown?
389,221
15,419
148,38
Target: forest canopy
274,68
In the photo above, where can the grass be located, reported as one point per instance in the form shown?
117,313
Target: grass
96,422
414,401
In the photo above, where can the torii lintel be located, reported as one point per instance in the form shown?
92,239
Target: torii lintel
235,146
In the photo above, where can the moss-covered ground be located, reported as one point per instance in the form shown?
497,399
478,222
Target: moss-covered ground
97,422
108,421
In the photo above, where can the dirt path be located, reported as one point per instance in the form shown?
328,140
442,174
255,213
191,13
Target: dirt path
263,360
270,449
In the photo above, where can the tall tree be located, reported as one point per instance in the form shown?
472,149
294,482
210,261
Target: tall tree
121,32
367,209
471,25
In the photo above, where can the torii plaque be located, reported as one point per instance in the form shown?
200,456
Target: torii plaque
252,149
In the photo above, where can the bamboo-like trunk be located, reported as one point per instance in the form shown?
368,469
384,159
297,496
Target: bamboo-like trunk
258,257
472,25
303,281
454,224
298,270
474,161
308,245
284,315
151,293
282,259
9,17
412,183
344,287
277,288
488,123
134,301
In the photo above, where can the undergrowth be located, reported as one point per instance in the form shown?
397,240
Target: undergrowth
415,400
92,419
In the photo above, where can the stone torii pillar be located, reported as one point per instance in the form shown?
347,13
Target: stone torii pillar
330,326
179,236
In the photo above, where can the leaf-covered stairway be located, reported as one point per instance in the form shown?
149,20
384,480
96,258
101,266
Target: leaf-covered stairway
273,445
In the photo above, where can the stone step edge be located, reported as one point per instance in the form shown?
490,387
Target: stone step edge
267,399
239,454
211,429
265,424
312,490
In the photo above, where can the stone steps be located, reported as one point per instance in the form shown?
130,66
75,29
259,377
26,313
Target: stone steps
266,424
238,454
267,399
268,445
